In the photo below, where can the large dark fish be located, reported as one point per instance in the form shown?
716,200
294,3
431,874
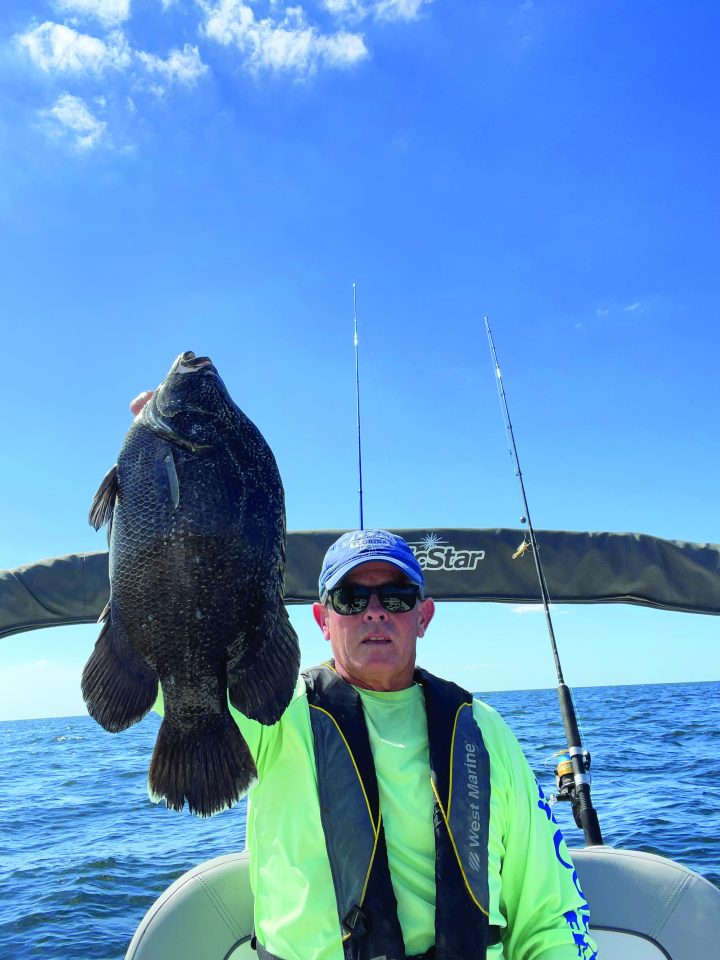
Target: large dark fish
197,567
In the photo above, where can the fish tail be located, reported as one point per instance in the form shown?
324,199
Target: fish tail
261,687
209,765
117,685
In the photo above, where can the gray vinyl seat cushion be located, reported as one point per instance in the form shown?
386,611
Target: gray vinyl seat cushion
642,907
207,913
637,896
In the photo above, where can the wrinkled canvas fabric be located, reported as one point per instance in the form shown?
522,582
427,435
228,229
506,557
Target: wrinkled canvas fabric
458,564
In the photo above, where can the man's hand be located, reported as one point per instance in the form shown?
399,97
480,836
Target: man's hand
139,402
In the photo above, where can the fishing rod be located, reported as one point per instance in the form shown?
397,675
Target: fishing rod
573,775
357,404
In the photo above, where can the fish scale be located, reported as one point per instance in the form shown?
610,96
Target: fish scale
197,561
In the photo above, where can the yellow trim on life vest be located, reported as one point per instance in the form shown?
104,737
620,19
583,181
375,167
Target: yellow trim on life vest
367,875
452,753
375,829
457,855
362,785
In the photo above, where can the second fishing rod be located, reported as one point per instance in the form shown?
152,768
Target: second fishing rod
574,780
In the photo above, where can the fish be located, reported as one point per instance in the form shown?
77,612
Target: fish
197,539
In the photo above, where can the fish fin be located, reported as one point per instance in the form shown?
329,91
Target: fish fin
154,422
117,685
261,683
210,766
166,478
101,509
172,476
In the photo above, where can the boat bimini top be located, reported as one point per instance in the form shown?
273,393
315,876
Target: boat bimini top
459,564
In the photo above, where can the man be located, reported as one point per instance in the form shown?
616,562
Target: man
393,815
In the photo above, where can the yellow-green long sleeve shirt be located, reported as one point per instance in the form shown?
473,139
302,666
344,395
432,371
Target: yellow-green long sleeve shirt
534,896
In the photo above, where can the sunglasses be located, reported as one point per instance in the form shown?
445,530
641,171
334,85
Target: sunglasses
351,598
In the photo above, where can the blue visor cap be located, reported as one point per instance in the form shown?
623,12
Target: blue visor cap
362,546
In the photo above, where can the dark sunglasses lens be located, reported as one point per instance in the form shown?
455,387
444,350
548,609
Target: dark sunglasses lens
351,598
398,599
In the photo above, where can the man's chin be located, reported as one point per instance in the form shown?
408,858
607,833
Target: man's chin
376,653
379,670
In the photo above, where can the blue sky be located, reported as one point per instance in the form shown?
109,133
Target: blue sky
215,175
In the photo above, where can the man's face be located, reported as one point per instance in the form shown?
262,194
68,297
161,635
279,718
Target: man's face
375,649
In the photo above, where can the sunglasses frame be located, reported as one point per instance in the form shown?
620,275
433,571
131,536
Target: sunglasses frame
382,591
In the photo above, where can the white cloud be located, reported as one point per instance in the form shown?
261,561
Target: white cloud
281,39
56,48
399,9
71,116
523,608
347,9
181,66
109,12
290,44
356,10
632,307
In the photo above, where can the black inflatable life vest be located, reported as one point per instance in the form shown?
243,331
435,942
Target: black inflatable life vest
354,834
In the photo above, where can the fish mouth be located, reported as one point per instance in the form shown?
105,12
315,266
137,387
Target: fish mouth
188,363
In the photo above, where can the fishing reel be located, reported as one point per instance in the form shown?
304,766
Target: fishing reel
565,781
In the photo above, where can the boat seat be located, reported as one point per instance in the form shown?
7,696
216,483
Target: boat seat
207,913
643,907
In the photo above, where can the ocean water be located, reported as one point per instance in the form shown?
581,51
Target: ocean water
83,852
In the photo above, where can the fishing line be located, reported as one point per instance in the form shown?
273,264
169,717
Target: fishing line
545,594
357,404
575,787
